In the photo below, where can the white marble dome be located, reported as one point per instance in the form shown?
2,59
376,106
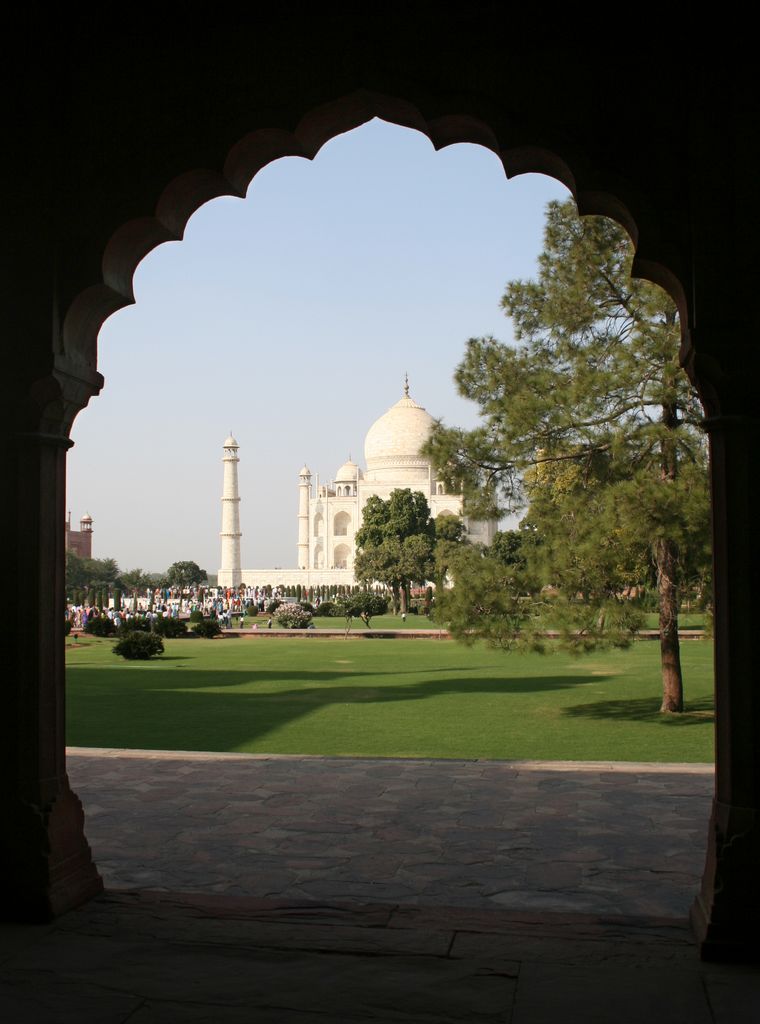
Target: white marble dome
348,473
394,441
230,443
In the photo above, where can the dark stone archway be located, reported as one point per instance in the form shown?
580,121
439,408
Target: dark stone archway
119,137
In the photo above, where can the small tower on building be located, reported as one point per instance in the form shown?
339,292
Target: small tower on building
80,541
304,493
230,573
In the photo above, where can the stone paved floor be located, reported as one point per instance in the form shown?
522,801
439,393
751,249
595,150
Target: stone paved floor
323,891
604,838
140,959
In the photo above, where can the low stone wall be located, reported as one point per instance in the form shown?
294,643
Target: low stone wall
292,577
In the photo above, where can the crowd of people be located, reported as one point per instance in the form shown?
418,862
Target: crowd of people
228,605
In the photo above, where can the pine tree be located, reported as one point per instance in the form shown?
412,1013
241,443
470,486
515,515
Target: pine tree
592,424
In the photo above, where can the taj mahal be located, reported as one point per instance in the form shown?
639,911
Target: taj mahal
329,514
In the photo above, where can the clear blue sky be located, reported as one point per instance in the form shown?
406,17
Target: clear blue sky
290,318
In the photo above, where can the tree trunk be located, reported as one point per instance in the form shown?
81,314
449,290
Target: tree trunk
666,561
666,556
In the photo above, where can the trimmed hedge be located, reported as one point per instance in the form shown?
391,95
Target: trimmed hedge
325,610
138,646
207,628
170,628
101,625
135,625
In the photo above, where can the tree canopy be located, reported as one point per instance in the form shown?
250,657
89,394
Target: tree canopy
82,573
395,543
591,424
363,604
185,574
136,579
450,535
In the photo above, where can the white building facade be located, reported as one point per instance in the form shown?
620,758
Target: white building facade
330,514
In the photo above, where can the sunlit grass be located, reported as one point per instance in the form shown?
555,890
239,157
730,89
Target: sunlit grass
401,698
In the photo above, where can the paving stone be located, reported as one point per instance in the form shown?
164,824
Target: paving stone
734,994
184,961
518,947
30,998
575,902
553,876
161,1012
624,995
288,986
476,824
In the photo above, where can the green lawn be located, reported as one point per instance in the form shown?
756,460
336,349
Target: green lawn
403,698
686,620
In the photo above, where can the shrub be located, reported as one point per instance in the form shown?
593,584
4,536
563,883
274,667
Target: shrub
139,646
307,606
67,627
207,628
169,628
293,616
365,604
100,625
196,615
273,606
325,610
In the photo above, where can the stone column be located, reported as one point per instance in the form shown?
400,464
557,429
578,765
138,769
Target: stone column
304,493
45,862
725,915
230,573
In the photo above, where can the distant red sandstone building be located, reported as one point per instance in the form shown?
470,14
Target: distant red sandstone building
80,541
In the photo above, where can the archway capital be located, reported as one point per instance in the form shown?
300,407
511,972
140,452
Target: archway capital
51,403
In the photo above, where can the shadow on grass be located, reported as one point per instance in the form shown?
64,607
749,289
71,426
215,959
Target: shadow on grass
209,710
644,709
150,678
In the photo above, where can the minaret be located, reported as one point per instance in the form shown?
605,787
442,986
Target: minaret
85,532
230,573
304,493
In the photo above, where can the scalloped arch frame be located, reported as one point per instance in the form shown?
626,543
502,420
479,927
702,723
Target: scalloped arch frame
524,153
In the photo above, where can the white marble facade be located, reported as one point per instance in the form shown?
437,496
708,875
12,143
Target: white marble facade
329,514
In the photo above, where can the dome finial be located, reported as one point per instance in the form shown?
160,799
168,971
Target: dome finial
406,385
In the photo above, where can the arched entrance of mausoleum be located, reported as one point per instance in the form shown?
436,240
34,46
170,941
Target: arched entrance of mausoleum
119,229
